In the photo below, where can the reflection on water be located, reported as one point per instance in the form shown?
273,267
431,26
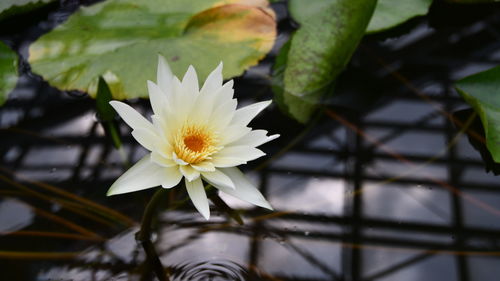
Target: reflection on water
23,218
394,193
212,270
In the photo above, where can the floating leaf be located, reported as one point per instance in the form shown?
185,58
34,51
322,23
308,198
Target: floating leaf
472,1
8,71
10,8
389,13
121,40
319,50
482,92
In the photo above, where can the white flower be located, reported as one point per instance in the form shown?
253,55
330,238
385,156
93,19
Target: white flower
195,134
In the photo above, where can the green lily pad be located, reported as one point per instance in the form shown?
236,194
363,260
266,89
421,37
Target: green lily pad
319,50
472,1
10,8
8,71
390,13
120,40
482,92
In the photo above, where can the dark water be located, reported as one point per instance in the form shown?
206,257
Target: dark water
382,186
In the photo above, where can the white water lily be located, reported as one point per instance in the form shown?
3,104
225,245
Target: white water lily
195,134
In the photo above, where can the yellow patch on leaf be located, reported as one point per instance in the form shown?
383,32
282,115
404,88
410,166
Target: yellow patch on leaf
237,23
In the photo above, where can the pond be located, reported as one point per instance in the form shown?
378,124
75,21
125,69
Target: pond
390,180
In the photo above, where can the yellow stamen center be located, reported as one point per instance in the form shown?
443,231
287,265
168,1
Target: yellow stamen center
194,144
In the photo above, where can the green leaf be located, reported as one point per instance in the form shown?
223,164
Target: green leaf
472,1
277,77
482,92
475,135
10,8
389,13
319,50
104,109
120,40
107,114
8,71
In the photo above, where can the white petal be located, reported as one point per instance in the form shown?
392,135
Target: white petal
157,98
206,103
243,152
189,172
190,81
218,178
164,126
223,114
213,81
177,97
171,177
226,92
198,196
178,160
164,76
203,109
254,138
144,174
225,162
233,133
161,160
131,116
159,124
244,190
163,147
207,98
185,99
145,137
204,166
244,115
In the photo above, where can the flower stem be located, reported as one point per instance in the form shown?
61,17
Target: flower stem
144,236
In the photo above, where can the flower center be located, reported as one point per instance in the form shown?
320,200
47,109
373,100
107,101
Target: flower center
194,144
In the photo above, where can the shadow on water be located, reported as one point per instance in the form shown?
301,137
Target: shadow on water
383,186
